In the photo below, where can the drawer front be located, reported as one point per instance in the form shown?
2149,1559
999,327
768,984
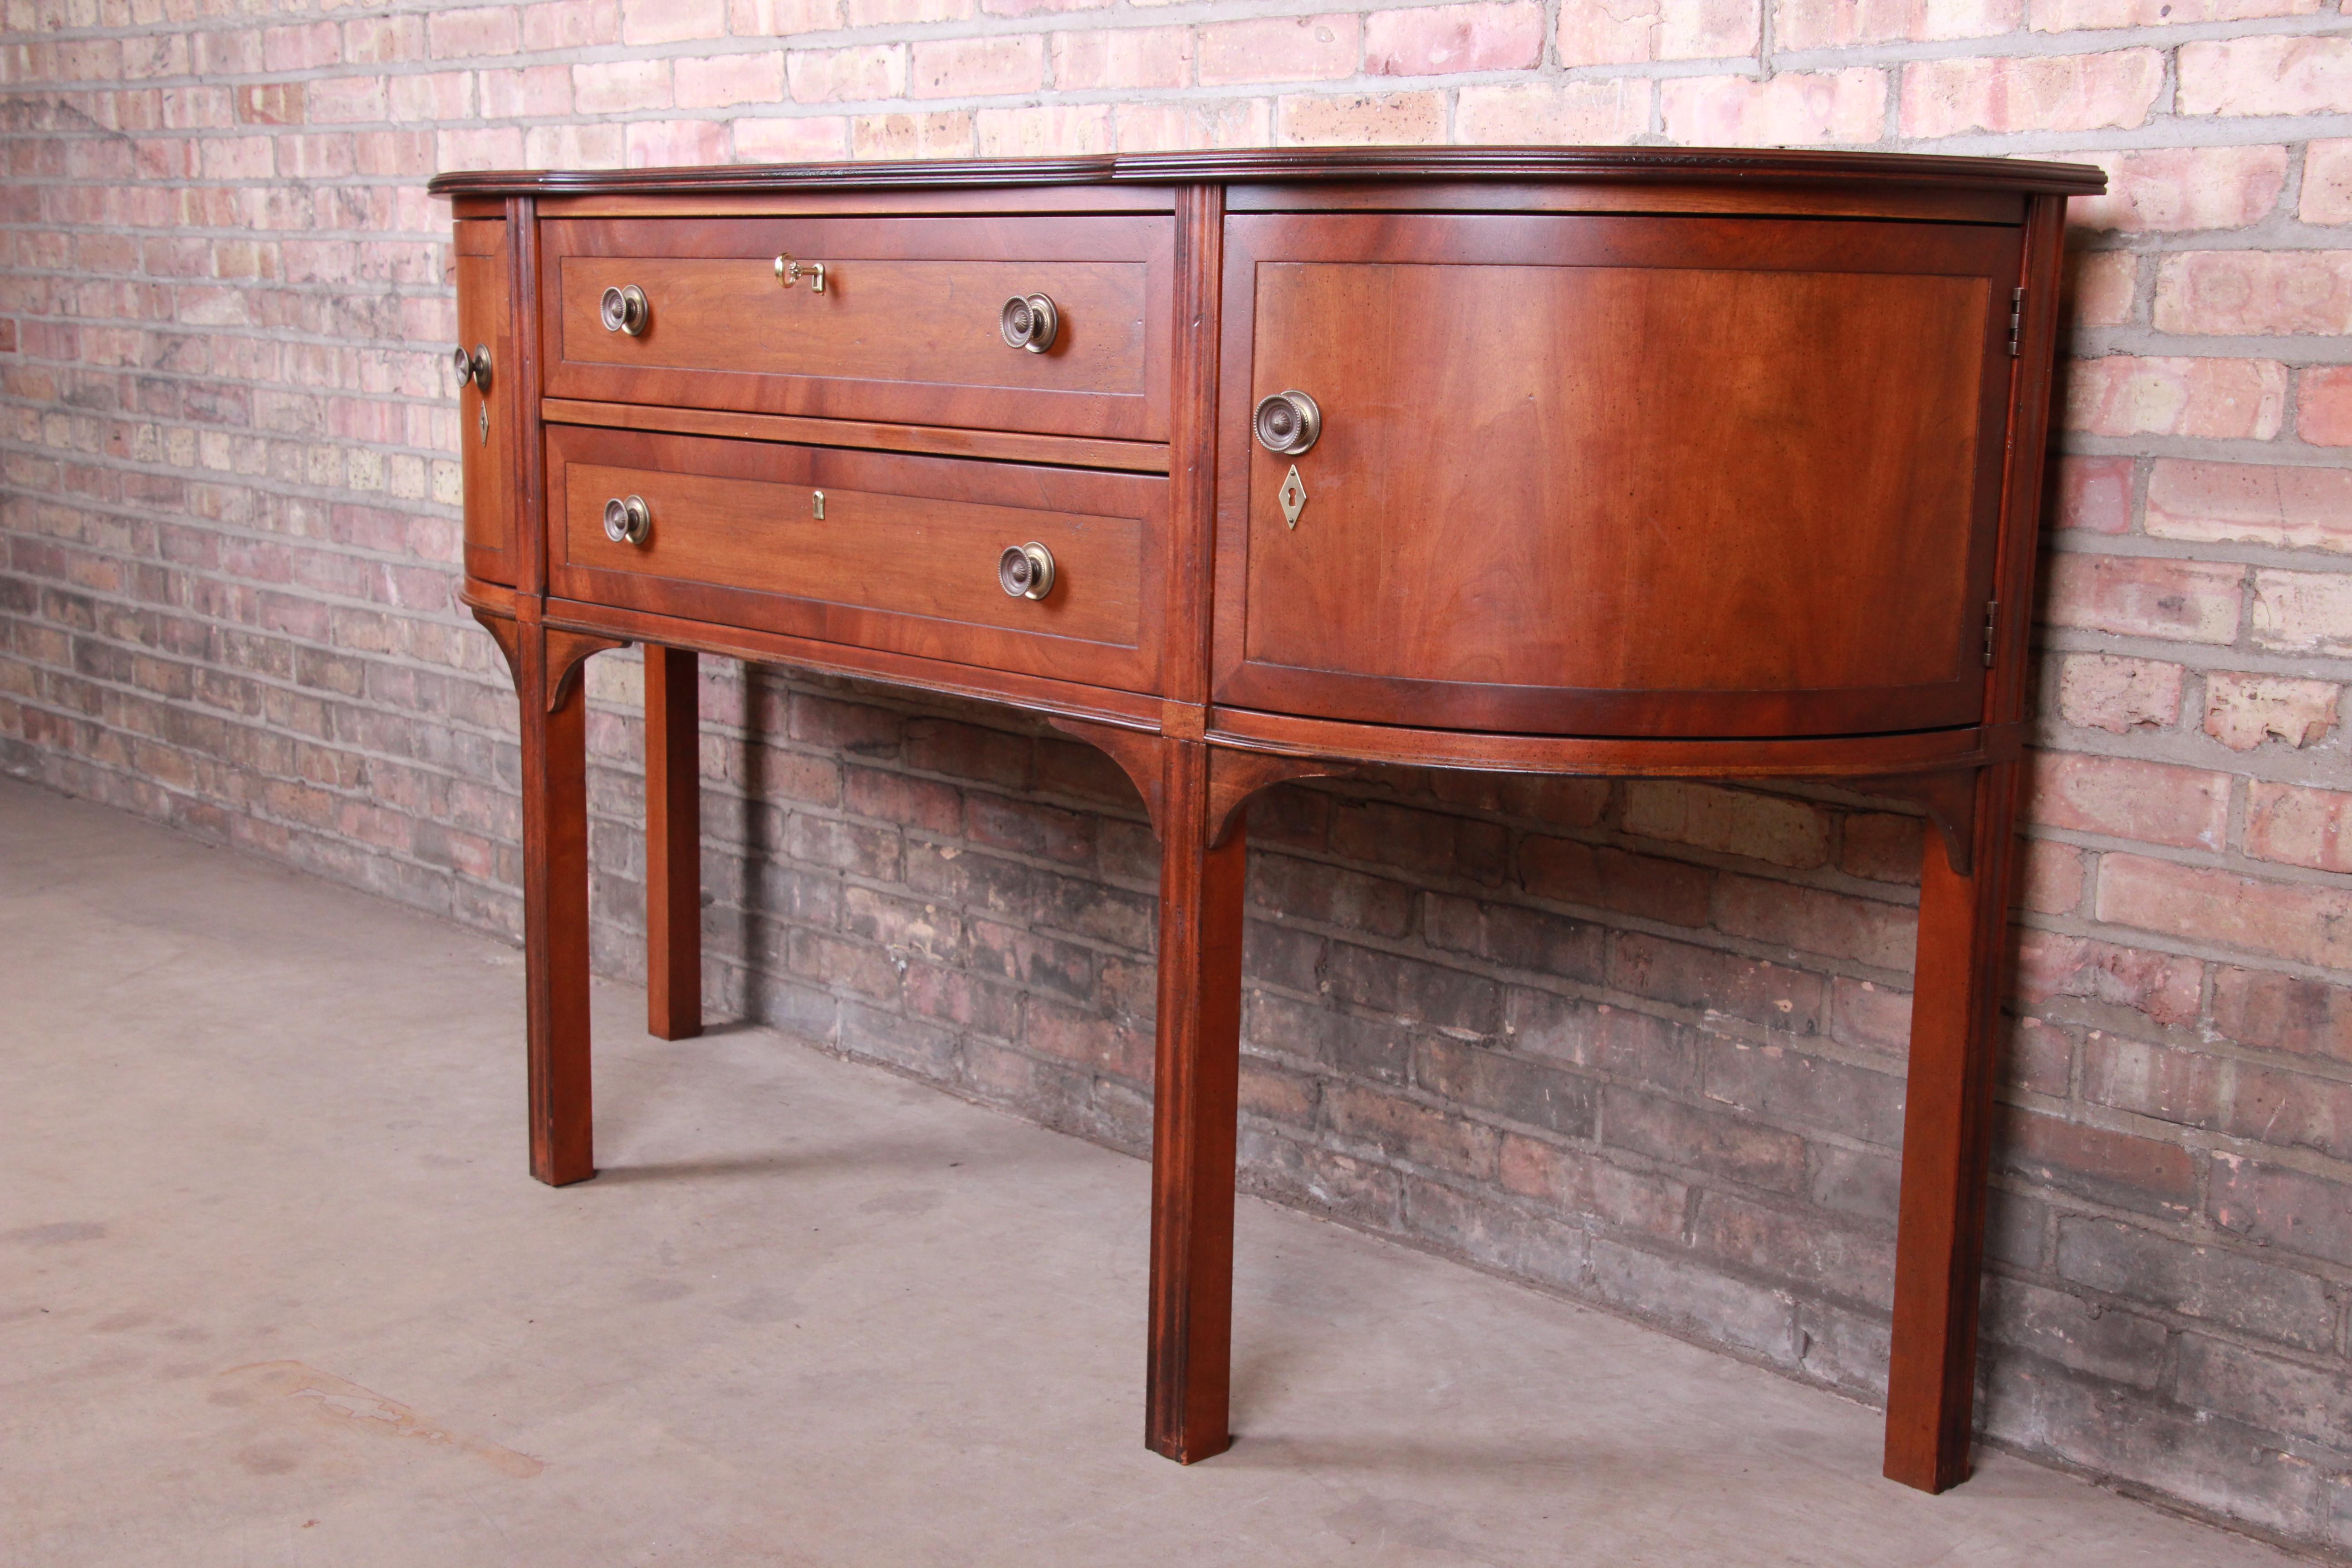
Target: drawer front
906,328
904,557
1614,476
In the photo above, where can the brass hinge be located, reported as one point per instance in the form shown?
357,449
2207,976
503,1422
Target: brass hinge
2016,320
1992,620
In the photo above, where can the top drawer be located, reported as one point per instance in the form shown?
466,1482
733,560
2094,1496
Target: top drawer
904,330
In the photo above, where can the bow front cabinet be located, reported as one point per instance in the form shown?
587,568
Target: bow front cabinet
1258,465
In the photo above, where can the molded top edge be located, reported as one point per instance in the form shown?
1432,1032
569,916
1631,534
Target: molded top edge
1675,164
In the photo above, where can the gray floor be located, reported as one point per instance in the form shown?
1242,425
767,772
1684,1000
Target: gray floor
275,1288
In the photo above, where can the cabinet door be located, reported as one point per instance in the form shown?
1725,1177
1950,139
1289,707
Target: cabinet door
486,417
1614,476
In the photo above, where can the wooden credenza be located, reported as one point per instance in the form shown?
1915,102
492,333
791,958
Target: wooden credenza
1259,466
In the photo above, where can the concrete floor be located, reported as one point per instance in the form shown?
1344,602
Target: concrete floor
275,1288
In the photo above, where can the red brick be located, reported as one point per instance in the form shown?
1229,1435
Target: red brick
1567,871
2289,920
1434,40
2154,1080
2164,986
2303,508
1283,49
2038,92
1123,58
2145,1174
1402,1129
1574,1182
2041,1059
1772,828
2050,877
1881,847
2299,826
2151,801
2281,1208
2271,73
616,86
2292,1110
1701,1137
468,34
2182,601
835,76
976,68
1867,1014
1793,107
2172,190
2067,16
2322,405
1042,130
571,23
2094,494
1362,120
2100,691
2262,293
1548,112
791,139
671,21
727,80
2126,394
2304,611
1166,127
2326,183
2242,711
1812,1093
1764,993
2104,286
1836,24
2270,1011
1636,30
1808,919
1629,1047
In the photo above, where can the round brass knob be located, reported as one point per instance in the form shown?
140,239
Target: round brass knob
628,520
1287,423
625,309
1029,321
474,367
1027,571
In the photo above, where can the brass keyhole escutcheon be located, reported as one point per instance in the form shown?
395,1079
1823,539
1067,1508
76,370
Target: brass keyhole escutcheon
1293,496
485,424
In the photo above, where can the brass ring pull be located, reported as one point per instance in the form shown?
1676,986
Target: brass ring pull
1025,571
628,520
1029,321
788,272
473,367
1287,423
625,309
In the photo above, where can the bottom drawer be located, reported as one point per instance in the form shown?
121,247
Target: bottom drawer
904,557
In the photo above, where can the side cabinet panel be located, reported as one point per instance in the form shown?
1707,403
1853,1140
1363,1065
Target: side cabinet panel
1614,476
488,415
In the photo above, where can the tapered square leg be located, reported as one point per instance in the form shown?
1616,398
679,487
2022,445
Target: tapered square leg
672,846
555,904
1946,1143
1196,1082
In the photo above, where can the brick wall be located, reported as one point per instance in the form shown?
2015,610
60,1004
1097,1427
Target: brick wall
1639,1042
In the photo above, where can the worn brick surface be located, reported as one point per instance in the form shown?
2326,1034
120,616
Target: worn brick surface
1641,1042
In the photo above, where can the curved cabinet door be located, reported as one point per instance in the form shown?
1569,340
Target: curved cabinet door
1614,476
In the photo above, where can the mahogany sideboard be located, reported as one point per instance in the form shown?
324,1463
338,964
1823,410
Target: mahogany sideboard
1255,466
